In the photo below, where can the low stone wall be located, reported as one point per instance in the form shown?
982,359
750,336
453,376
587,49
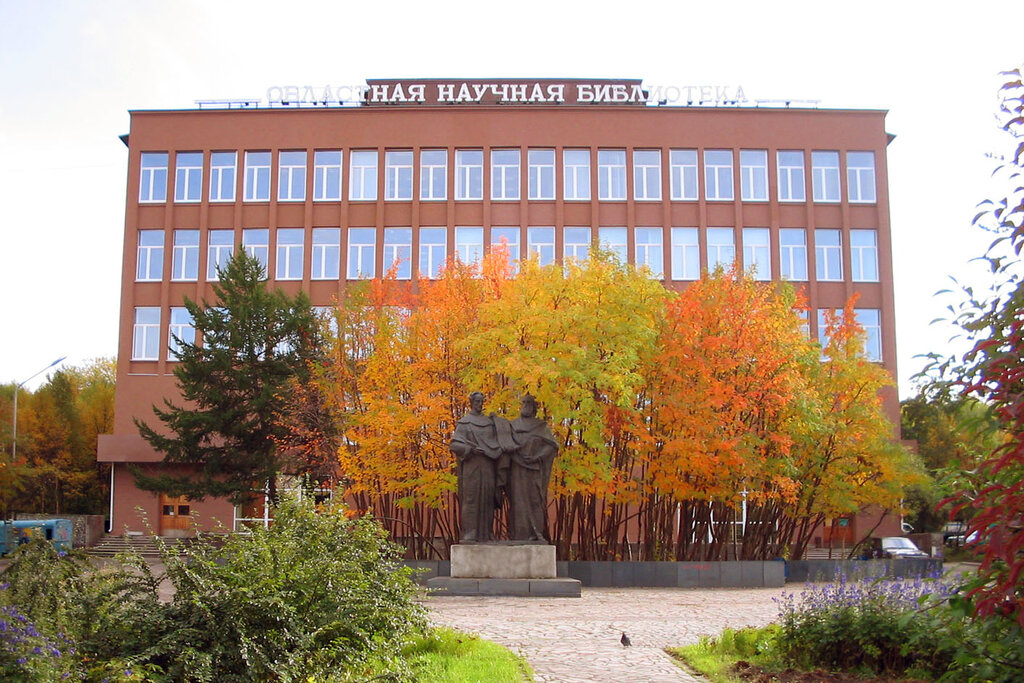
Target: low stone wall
86,530
741,574
802,571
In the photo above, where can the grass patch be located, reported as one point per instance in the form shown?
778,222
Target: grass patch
447,656
716,657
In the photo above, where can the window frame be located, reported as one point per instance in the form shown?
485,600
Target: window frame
861,177
863,253
754,172
257,173
756,254
185,256
684,253
468,186
149,255
539,170
398,250
398,175
821,175
256,243
684,175
218,169
720,172
353,266
286,262
578,249
149,348
505,176
828,257
786,174
363,173
188,177
184,331
153,177
326,189
433,254
535,246
642,245
218,253
428,171
465,247
580,175
611,175
322,267
789,252
294,189
647,175
718,247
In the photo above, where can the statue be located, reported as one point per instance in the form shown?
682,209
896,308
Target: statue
477,449
495,456
525,473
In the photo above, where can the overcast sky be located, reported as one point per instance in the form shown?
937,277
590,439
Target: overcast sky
71,70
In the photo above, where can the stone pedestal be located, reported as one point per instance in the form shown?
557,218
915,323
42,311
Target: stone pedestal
526,570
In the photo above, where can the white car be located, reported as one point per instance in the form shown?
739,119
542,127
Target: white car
898,546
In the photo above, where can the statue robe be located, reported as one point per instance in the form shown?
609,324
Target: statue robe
527,471
478,472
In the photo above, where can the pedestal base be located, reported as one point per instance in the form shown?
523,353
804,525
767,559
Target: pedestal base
526,588
503,561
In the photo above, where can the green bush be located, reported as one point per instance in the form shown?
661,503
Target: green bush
881,625
316,596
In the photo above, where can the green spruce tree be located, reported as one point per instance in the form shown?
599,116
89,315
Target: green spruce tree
233,380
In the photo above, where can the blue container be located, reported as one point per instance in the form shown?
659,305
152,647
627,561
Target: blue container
56,531
7,541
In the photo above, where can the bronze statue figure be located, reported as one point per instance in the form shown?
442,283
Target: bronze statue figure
527,471
495,456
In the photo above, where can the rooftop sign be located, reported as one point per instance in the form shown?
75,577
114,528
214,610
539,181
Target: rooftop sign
379,92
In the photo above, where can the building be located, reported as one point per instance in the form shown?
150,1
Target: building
420,170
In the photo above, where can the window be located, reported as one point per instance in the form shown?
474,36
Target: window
433,251
469,245
256,242
646,174
864,255
828,255
576,165
683,167
469,174
615,241
541,241
398,252
825,176
611,174
718,174
398,175
754,175
510,238
791,176
721,248
257,176
149,266
757,253
153,179
289,253
433,174
326,253
180,331
222,176
575,244
291,177
327,175
504,174
871,320
362,250
793,253
185,258
362,176
542,174
146,333
649,250
685,254
188,177
219,250
860,176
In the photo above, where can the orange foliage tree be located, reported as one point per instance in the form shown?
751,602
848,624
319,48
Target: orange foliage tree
674,412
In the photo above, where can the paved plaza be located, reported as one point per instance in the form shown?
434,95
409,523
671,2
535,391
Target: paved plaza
573,640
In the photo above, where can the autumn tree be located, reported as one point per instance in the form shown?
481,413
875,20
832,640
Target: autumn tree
250,343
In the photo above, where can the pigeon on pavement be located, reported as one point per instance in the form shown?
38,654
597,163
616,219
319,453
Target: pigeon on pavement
625,640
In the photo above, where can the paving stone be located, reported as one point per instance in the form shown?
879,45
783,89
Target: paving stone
572,641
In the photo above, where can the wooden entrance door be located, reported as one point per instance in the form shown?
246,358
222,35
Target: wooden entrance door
175,515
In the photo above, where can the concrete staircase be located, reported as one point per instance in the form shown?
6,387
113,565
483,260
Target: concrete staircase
146,546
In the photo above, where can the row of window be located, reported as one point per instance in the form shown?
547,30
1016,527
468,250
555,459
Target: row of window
181,329
432,251
506,178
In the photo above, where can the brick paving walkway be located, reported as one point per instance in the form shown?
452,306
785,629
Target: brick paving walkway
576,640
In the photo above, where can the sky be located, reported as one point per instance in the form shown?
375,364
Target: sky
70,71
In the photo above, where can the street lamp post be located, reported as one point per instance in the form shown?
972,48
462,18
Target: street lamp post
14,420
